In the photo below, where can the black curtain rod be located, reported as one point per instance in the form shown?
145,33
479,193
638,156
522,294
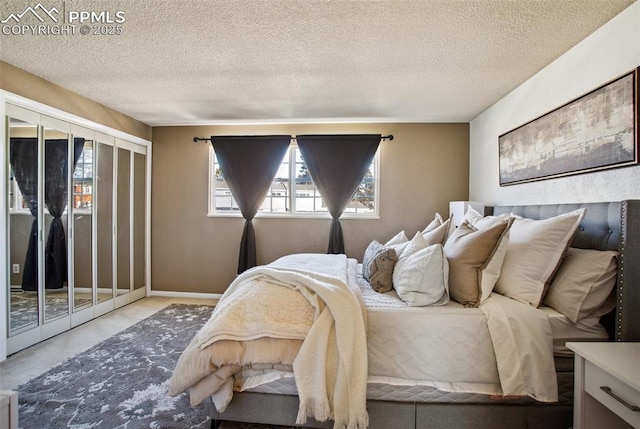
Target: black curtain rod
202,139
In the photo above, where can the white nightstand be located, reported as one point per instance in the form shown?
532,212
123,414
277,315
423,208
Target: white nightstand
606,385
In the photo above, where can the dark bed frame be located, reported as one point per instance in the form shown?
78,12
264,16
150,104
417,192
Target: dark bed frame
606,226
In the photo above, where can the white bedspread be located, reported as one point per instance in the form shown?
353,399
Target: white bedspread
330,366
502,348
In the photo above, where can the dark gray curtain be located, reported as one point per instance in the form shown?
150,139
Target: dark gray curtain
24,166
249,164
337,164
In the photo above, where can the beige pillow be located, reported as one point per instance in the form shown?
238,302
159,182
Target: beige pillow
583,283
377,266
469,250
534,253
491,273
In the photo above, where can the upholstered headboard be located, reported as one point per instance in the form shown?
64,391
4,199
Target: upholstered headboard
606,226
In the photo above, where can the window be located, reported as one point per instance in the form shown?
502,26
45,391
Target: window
83,179
292,192
82,184
16,202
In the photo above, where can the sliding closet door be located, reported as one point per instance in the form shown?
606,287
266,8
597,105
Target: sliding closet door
123,262
40,155
22,229
104,208
81,205
58,163
139,220
130,222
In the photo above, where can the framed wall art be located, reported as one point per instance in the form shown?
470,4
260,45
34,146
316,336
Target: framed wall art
596,131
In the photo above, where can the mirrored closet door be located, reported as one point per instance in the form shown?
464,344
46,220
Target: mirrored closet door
131,177
56,148
22,222
81,212
76,225
124,221
139,225
104,204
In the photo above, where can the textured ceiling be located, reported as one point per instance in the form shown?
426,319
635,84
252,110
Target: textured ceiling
185,62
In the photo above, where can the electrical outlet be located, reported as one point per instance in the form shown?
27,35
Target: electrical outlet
16,268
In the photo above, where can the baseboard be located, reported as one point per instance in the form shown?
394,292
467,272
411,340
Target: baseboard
173,294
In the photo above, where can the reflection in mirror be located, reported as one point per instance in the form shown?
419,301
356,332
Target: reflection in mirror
23,226
139,216
56,184
104,220
124,221
82,209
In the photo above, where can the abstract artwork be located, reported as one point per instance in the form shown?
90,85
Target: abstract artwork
596,131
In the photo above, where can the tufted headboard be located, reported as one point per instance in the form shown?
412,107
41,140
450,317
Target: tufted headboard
606,226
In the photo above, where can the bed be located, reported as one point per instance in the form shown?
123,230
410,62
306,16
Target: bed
605,226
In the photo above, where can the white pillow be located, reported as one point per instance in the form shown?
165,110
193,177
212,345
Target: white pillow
436,222
398,242
534,252
400,237
417,242
421,276
484,222
437,235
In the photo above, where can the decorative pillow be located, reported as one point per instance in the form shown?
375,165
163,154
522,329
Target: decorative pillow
377,266
398,242
482,222
436,222
399,238
491,273
421,276
534,253
469,251
437,235
583,283
417,242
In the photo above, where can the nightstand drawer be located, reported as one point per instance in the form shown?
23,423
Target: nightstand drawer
596,378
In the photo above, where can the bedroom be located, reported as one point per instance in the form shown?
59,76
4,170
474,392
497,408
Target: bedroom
187,258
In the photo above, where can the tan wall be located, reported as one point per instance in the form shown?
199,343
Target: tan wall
22,83
421,170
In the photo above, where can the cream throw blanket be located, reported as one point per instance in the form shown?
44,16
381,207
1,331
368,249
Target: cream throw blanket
331,365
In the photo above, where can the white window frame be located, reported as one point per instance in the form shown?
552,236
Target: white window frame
83,210
212,212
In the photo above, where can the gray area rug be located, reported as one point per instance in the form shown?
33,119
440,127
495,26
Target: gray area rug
121,382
